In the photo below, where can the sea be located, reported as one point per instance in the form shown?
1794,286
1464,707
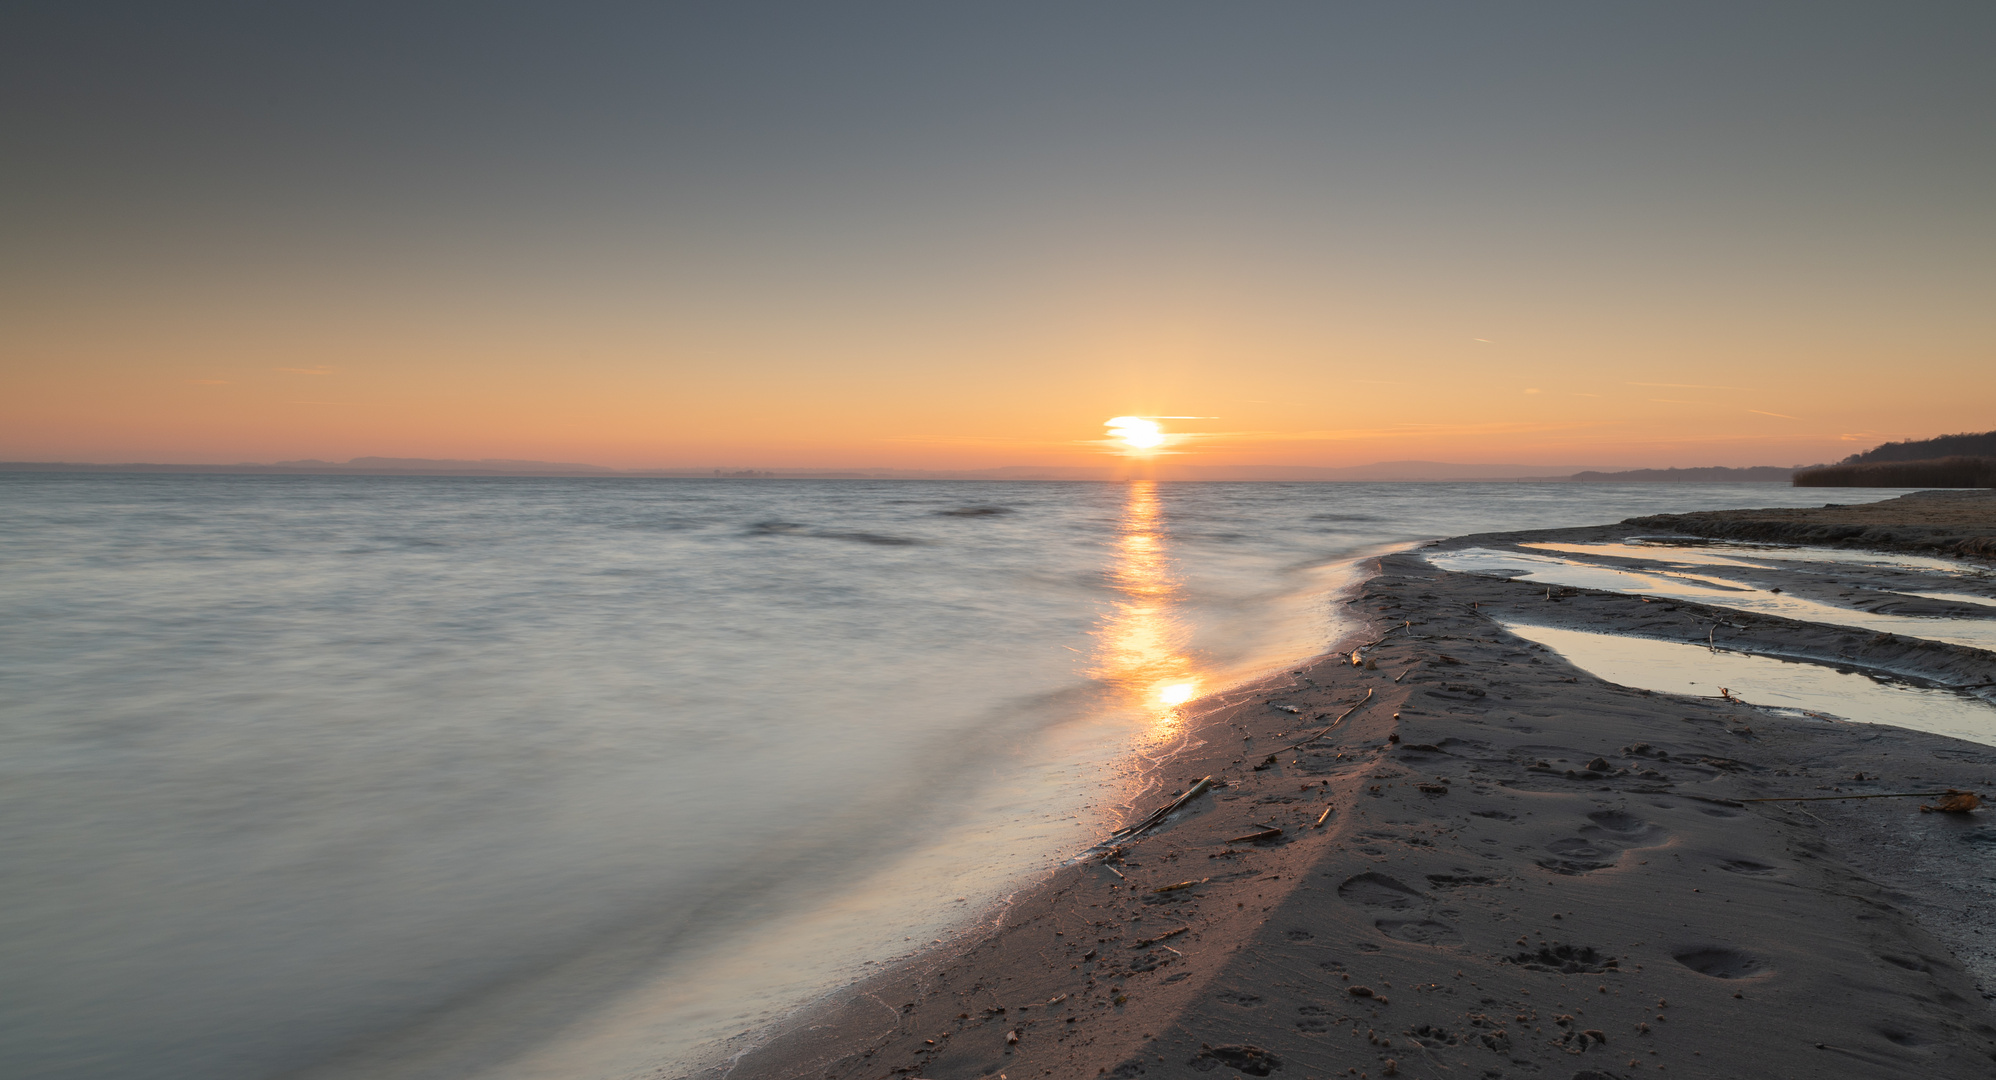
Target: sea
420,777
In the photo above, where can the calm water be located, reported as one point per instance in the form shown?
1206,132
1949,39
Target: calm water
440,777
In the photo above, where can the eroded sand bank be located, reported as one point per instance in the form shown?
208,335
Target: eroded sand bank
1526,871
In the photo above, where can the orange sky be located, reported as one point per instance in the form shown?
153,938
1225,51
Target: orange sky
1343,237
199,380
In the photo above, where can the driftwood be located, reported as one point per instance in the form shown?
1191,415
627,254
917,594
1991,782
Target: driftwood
1202,787
1334,723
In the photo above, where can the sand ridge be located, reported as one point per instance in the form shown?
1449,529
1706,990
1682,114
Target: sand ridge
1526,872
1954,522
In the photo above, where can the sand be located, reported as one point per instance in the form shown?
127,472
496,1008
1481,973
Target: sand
1524,872
1945,522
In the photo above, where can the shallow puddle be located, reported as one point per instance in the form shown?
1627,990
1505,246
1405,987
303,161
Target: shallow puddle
1677,555
1974,633
1696,671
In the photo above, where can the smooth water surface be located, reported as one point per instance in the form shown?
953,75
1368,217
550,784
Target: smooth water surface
1697,671
441,777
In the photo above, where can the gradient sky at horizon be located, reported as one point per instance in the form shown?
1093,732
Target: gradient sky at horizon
950,236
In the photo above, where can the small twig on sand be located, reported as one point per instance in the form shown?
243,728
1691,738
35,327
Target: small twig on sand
1334,723
1265,834
1176,888
1114,871
1840,798
1323,817
1166,936
1404,674
1358,655
1387,634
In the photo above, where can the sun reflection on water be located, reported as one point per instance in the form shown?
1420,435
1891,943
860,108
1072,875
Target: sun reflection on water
1142,640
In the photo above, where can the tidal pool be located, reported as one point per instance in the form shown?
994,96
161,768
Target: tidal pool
1799,686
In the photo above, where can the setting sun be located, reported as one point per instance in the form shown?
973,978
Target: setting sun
1136,432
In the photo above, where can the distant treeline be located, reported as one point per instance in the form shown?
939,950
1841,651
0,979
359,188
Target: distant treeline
1960,471
1927,451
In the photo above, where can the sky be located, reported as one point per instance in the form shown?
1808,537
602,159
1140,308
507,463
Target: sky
946,236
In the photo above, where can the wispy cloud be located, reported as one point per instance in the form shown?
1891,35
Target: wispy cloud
1675,401
1396,431
305,370
1782,415
1534,390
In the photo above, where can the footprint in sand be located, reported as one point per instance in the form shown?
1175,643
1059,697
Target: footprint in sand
1566,959
1419,931
1720,962
1380,890
1600,843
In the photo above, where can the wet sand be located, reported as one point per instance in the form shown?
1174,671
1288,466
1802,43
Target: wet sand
1525,871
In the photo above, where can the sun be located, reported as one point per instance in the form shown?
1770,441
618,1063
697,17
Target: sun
1136,432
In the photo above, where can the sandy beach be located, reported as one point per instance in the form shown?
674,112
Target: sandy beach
1499,865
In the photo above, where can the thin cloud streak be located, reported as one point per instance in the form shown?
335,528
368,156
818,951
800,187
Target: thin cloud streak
1398,431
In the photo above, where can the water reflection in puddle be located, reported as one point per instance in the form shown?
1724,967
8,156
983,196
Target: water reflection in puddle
1663,553
1974,633
1696,671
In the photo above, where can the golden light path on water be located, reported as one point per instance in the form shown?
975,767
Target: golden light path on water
1043,800
1142,650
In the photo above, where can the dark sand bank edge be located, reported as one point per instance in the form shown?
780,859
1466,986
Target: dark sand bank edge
1951,523
1532,872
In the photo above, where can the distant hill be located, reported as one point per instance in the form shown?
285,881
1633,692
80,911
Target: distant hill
1960,471
1942,446
1946,461
1757,474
